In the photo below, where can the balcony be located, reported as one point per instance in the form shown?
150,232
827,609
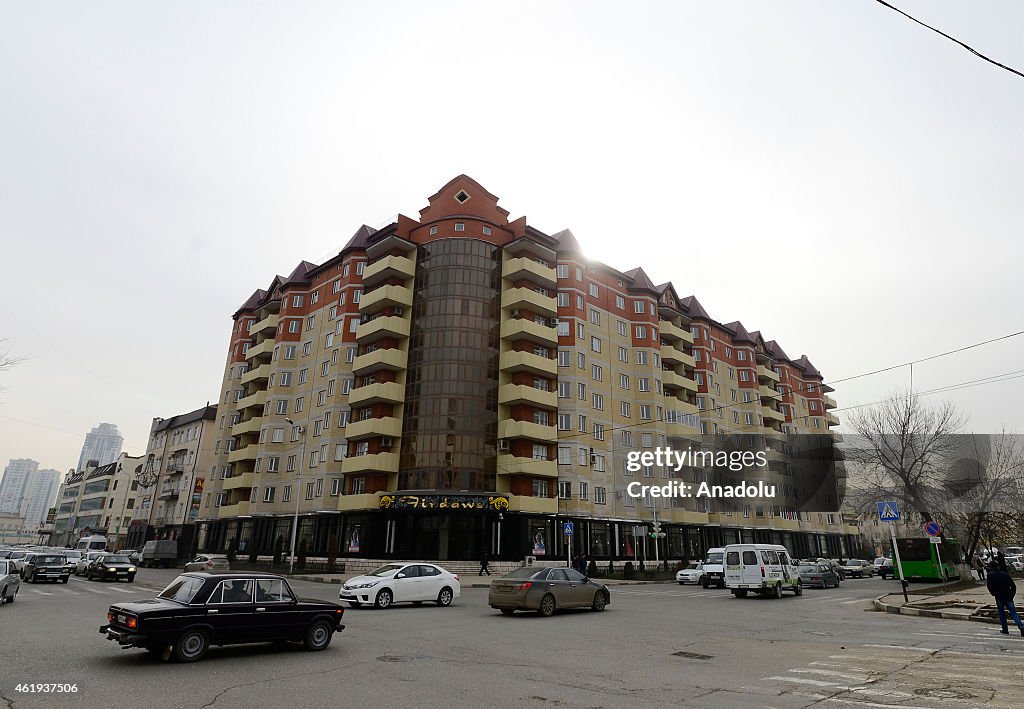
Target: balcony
511,464
267,324
767,392
529,300
679,429
251,426
236,510
260,373
385,297
673,332
523,329
388,326
522,394
770,414
238,482
390,359
831,419
256,400
364,501
367,428
538,505
378,392
528,362
765,373
168,492
264,348
240,454
386,462
522,267
507,428
830,403
387,268
673,355
677,381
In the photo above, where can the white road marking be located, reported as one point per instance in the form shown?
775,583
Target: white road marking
121,590
857,600
832,673
815,682
94,590
861,703
41,593
906,647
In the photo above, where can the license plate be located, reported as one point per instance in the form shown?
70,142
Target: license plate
122,573
503,588
121,619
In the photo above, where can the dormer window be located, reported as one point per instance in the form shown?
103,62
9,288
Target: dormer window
461,197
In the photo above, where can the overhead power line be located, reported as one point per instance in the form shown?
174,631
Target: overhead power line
951,39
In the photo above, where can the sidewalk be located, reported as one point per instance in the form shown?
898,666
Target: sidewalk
956,601
472,581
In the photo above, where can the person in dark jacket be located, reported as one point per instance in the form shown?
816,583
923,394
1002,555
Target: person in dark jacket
484,567
1001,561
1003,589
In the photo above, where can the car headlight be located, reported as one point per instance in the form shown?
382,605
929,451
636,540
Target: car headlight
131,569
371,584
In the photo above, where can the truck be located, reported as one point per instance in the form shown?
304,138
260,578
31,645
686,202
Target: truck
159,552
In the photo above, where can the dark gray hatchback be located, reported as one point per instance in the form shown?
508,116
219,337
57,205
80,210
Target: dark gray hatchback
546,590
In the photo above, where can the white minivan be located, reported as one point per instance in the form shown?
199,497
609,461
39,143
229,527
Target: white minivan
764,568
714,572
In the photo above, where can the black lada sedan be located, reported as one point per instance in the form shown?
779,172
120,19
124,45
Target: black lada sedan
198,610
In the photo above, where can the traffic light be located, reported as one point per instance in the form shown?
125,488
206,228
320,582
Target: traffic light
656,532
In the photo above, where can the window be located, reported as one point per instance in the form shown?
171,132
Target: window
645,412
640,331
562,299
299,404
624,381
581,360
233,591
268,494
643,384
273,464
564,490
564,455
596,372
563,331
356,295
563,355
598,402
460,226
620,302
309,491
540,452
562,270
310,321
541,418
540,488
360,267
307,347
594,290
580,332
487,231
335,487
564,422
579,302
282,406
624,409
595,344
641,357
622,328
340,451
595,316
583,490
277,435
582,423
581,391
291,463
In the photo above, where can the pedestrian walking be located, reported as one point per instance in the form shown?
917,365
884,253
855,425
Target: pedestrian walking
1003,589
1001,560
484,568
979,566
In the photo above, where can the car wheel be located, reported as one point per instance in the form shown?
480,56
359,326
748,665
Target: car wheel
383,599
3,595
444,598
131,579
547,606
704,582
318,637
600,601
739,592
682,583
799,590
190,646
777,591
355,604
64,579
507,611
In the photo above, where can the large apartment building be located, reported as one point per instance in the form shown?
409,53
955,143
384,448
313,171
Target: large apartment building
462,382
28,492
179,460
100,499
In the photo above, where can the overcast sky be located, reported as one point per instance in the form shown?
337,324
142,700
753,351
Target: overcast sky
832,174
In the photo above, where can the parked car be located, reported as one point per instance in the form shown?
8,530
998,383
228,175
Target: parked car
111,567
1015,563
886,570
402,583
691,574
10,582
546,590
82,565
818,575
857,568
209,562
198,610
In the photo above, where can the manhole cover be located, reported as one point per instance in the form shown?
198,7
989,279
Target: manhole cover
943,693
394,658
692,655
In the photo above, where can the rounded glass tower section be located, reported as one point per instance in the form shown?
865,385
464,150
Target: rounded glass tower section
450,421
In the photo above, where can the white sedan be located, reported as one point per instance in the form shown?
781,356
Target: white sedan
691,574
82,565
414,582
1015,563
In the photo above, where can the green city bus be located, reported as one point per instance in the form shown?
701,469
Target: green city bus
919,558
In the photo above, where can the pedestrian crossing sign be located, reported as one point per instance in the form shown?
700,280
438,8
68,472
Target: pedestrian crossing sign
888,512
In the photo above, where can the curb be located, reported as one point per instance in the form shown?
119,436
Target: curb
928,613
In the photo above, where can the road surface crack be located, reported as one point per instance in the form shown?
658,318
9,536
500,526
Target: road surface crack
276,679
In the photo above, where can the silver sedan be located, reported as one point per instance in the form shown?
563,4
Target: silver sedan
10,581
546,590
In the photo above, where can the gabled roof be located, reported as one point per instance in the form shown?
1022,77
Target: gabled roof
739,333
567,242
775,350
808,368
694,307
300,274
208,412
360,240
641,281
674,300
253,302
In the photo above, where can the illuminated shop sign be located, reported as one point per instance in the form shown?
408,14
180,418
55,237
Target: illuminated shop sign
444,502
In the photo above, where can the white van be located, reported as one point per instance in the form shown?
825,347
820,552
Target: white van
94,542
714,571
764,568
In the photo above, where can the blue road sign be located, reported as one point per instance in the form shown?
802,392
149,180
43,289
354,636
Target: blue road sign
888,511
933,529
567,528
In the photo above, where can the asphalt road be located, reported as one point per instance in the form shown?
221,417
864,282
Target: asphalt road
656,645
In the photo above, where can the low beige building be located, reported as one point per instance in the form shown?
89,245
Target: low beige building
98,500
13,531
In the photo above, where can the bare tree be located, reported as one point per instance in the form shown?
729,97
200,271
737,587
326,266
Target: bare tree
901,452
7,360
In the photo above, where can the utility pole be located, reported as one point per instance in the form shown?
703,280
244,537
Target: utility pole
298,489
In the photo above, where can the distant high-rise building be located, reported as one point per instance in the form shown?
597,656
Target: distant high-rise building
102,444
27,491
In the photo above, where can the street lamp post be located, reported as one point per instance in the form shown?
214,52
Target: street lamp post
298,489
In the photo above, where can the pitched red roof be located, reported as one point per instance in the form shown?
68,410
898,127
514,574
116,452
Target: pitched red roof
253,302
360,240
694,307
300,274
641,281
567,242
739,333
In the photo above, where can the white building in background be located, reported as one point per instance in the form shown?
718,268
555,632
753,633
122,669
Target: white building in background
28,492
98,499
103,444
